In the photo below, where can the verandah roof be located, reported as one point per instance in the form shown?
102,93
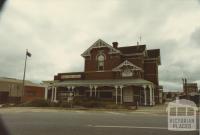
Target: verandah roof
110,82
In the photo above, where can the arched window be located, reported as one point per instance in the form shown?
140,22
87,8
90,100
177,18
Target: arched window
100,60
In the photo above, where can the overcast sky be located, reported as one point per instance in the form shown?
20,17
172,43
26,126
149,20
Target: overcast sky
56,32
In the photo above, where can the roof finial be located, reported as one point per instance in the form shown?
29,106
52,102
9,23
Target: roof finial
140,38
137,43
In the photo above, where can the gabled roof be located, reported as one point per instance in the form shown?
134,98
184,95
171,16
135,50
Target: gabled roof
132,49
99,44
127,63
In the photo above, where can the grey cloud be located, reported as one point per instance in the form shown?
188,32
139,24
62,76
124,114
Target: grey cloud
195,37
172,86
57,32
176,65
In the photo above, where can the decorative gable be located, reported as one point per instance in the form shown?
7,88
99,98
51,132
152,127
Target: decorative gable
99,44
129,65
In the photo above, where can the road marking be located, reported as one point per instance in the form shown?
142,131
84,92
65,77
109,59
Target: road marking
36,110
134,127
115,113
149,113
80,112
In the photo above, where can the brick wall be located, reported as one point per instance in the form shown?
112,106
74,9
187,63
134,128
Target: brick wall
112,60
33,92
151,71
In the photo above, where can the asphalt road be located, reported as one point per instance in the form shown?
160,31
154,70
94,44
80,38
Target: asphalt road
62,122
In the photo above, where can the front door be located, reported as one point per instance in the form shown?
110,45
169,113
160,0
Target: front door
128,95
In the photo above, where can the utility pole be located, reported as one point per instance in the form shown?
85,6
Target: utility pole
29,55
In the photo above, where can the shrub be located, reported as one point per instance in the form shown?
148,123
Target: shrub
92,104
36,103
54,104
88,102
114,106
65,104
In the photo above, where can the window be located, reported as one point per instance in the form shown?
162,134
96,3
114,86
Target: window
127,72
100,60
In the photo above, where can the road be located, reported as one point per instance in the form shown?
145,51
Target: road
66,122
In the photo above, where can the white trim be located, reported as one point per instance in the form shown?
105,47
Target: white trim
111,82
55,94
145,95
46,93
52,93
100,53
151,95
127,63
99,44
116,87
121,94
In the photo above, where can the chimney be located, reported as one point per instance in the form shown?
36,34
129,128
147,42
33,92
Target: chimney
115,45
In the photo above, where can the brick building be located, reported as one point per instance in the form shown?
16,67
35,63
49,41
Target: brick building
119,74
34,91
190,92
190,88
11,90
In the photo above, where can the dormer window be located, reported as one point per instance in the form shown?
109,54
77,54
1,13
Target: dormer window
100,60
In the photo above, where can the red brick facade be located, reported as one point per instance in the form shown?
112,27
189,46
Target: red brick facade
33,92
106,62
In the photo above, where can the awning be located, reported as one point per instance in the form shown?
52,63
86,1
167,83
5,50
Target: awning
110,82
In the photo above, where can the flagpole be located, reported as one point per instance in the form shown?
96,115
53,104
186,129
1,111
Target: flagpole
24,76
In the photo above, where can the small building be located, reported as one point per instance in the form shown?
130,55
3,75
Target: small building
124,75
33,91
11,90
190,88
190,92
171,95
